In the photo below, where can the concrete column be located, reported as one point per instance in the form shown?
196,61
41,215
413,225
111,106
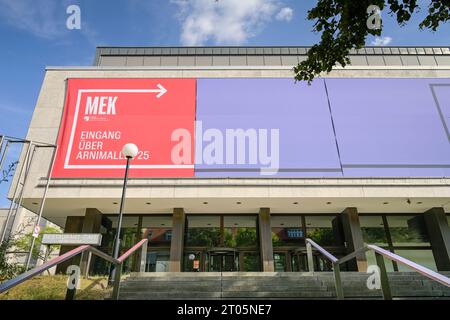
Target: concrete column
353,236
265,238
177,243
91,224
92,221
439,234
73,225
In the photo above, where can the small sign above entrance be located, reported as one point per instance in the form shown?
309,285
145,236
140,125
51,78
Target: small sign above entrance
72,238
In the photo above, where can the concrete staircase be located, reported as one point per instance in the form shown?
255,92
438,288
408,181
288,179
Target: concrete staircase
273,285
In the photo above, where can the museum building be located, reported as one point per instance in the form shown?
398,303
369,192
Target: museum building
238,164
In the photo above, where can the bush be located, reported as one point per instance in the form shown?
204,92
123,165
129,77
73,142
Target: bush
8,270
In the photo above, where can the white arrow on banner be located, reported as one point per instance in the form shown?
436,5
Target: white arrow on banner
161,91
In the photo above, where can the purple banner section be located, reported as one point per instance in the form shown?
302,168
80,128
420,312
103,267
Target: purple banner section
392,127
264,127
441,95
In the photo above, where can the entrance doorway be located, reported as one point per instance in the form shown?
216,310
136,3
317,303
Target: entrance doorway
223,260
221,243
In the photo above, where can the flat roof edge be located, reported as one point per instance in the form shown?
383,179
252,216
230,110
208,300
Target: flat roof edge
199,68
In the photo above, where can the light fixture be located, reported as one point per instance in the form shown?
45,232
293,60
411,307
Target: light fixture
149,203
238,202
385,202
328,202
130,150
295,202
205,202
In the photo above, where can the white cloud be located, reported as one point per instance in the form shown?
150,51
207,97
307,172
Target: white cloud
381,41
224,21
285,14
37,17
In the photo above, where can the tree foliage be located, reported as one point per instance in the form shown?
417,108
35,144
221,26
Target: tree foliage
343,24
23,244
8,173
8,269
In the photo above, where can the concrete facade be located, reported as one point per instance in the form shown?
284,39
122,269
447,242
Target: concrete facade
71,197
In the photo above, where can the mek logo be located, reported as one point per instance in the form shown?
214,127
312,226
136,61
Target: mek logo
100,106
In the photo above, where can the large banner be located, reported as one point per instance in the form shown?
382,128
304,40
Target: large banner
102,115
239,127
392,127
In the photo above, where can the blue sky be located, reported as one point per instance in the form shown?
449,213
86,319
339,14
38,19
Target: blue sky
33,35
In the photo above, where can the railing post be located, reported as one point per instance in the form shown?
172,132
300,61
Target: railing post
338,281
116,285
310,257
143,258
88,265
385,288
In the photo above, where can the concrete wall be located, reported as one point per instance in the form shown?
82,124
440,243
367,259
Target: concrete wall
71,197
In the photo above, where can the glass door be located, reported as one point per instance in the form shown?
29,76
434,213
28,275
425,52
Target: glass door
223,262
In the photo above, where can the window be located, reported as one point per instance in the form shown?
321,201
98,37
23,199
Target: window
287,230
222,231
279,261
408,230
405,235
294,233
128,238
373,230
240,231
203,231
157,229
128,232
157,261
320,230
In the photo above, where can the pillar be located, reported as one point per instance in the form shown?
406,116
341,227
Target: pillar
90,223
353,237
439,234
177,243
265,237
73,225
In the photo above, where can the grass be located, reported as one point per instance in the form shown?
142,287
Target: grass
55,287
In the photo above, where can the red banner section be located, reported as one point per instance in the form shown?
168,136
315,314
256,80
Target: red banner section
102,115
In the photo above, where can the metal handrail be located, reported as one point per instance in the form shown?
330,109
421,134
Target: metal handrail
334,261
74,252
380,254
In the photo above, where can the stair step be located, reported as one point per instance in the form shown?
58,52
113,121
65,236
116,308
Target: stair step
273,286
